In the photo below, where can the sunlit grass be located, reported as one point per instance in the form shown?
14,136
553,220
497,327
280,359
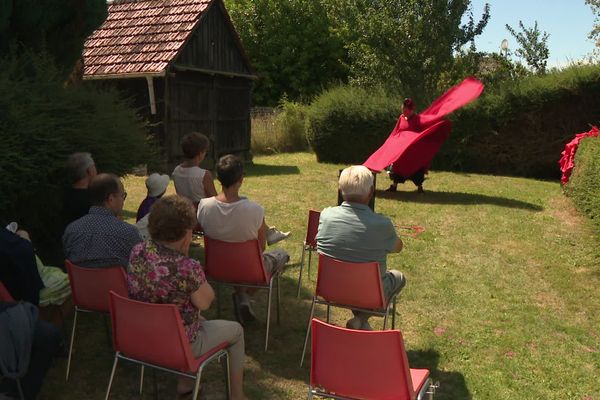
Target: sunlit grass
501,302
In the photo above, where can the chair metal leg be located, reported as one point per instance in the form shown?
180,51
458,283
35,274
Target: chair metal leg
278,298
227,376
394,314
141,379
309,262
268,313
71,345
112,375
310,317
310,394
20,389
301,268
385,318
197,384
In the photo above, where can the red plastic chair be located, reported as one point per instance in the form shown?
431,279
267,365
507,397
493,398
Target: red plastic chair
153,335
351,364
5,294
310,242
241,265
355,286
89,288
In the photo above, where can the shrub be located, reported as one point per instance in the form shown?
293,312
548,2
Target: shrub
346,124
281,130
41,123
522,128
584,184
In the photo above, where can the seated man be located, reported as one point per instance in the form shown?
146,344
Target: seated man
353,232
100,238
230,217
81,170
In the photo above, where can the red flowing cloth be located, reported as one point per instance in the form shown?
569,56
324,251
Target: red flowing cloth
567,159
411,151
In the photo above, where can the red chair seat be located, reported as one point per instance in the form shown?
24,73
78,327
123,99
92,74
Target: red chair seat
418,377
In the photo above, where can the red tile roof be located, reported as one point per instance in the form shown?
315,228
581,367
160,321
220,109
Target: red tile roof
140,36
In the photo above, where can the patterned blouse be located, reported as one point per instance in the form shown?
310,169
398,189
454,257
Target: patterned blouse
158,274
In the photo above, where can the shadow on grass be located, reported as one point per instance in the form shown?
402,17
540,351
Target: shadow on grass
452,384
451,198
264,169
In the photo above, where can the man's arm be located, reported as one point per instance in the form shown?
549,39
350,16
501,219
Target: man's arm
397,246
262,235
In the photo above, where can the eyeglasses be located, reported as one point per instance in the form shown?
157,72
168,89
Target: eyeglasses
124,195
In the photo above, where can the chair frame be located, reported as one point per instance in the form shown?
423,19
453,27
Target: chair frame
308,245
215,354
390,306
268,286
69,265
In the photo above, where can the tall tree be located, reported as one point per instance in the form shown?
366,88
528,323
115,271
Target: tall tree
533,46
59,27
404,45
290,45
595,33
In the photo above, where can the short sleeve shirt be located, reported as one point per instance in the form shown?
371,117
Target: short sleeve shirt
353,232
189,182
161,275
230,222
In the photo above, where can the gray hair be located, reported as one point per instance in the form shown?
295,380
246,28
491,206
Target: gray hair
356,182
78,164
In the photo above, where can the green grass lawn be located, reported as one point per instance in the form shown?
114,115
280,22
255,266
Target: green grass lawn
501,302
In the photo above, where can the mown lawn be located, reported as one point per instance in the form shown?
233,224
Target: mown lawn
501,302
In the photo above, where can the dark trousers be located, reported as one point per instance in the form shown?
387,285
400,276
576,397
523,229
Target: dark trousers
47,340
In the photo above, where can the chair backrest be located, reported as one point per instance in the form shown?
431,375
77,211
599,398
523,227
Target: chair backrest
355,284
234,262
149,332
312,228
359,364
5,294
90,286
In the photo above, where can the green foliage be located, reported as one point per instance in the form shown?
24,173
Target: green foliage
521,128
58,27
290,46
584,184
403,45
346,124
282,131
534,46
595,33
42,123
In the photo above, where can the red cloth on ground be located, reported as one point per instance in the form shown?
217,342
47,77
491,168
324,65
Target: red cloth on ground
567,159
414,150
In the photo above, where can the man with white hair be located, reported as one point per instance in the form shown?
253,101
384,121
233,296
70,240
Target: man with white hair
353,232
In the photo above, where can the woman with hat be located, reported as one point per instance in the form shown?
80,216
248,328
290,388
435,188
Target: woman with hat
157,186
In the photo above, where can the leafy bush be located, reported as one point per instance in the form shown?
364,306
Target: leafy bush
346,124
584,184
521,129
280,131
41,123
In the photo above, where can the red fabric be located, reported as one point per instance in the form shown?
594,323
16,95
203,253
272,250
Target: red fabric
567,160
414,142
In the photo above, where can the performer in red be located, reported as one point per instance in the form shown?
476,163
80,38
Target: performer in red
416,138
409,121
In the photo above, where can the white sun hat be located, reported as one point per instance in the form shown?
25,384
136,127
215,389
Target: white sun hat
157,184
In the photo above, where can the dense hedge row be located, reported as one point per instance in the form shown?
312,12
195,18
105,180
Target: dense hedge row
584,184
41,123
522,128
519,129
346,124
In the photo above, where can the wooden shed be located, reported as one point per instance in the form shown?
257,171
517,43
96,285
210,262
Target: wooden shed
184,66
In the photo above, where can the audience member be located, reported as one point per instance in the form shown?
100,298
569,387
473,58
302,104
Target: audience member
190,180
27,349
157,186
160,271
100,238
230,217
81,169
353,232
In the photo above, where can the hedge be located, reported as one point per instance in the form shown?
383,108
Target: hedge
584,184
346,124
41,123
